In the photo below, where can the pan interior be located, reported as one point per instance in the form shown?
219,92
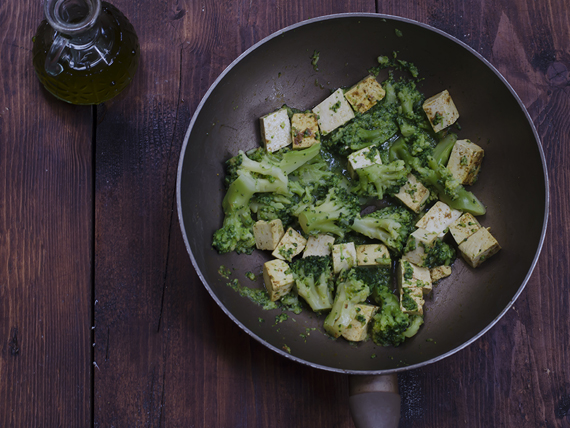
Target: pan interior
278,71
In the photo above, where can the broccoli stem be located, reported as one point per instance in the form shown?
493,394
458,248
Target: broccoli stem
442,151
462,200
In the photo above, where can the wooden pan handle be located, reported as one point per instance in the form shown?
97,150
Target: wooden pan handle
374,401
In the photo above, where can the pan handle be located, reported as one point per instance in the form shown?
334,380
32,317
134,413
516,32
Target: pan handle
374,401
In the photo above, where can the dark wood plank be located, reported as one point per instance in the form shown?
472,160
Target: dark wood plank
516,375
46,240
167,356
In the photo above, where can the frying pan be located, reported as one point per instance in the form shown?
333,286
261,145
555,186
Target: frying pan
513,185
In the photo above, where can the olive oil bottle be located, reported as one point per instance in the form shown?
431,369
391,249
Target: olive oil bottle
85,51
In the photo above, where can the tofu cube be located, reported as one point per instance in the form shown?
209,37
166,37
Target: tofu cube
278,278
267,235
438,219
465,161
439,272
357,330
373,255
464,227
344,256
304,130
276,130
413,283
479,247
291,244
413,194
365,94
319,245
418,242
333,112
361,159
441,111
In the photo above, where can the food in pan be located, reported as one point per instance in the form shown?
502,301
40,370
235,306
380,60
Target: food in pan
360,204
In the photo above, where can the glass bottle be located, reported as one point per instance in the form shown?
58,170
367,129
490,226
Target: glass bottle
85,51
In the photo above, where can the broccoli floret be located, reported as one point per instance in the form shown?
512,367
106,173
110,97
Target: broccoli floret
411,100
389,323
311,182
438,254
415,323
443,149
390,326
268,173
271,206
334,214
372,128
432,174
391,225
350,291
380,179
377,278
314,281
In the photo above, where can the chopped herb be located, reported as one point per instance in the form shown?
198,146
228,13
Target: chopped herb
315,60
224,272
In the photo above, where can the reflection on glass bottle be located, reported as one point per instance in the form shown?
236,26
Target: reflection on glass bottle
85,51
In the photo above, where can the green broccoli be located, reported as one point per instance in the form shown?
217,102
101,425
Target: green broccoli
271,206
311,182
372,128
380,179
377,278
268,173
334,214
391,225
391,326
433,174
350,291
438,254
314,280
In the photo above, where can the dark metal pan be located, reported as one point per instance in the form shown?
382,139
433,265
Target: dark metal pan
513,183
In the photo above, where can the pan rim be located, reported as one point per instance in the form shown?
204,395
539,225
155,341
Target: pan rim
373,16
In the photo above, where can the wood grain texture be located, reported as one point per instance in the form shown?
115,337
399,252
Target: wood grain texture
45,240
167,356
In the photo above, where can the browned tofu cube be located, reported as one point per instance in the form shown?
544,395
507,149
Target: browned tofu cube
304,130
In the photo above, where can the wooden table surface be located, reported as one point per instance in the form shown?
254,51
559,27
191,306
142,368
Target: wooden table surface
103,321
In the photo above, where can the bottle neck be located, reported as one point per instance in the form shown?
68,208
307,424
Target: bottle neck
73,18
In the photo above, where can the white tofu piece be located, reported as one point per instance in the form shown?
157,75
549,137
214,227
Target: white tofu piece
464,227
344,256
319,245
417,243
365,94
361,159
373,255
276,130
267,235
479,247
291,244
465,161
413,283
441,111
304,130
439,272
278,278
413,194
333,112
438,219
357,330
